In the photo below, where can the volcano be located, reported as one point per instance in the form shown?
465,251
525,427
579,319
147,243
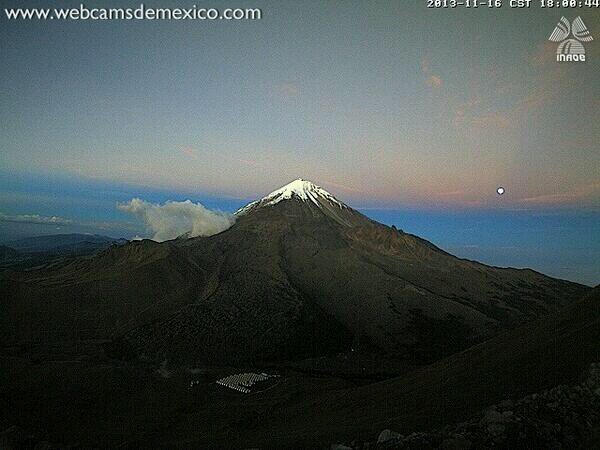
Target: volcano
300,274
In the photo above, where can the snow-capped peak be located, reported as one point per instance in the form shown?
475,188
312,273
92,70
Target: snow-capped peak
303,189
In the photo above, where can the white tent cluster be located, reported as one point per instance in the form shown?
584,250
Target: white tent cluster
242,382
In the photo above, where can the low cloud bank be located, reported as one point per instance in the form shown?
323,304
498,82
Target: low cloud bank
173,219
35,218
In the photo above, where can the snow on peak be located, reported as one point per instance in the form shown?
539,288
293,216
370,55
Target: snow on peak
303,189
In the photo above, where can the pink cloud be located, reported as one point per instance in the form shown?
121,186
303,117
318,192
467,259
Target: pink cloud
343,187
432,80
451,193
495,120
483,120
577,194
287,90
188,151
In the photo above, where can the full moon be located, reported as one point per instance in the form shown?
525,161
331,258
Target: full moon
500,190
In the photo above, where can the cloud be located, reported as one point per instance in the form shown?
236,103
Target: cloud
287,90
342,187
252,163
188,151
173,219
506,104
464,117
543,55
425,66
451,193
193,154
493,120
432,80
577,194
35,218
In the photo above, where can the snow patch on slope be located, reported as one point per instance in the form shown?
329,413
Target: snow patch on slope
301,189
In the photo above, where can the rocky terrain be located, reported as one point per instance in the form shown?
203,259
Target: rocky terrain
566,416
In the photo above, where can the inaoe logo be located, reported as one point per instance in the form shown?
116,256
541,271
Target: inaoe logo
570,49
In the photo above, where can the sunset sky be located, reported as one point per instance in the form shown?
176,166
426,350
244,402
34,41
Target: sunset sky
387,104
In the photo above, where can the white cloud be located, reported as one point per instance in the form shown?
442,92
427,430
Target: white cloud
173,219
35,218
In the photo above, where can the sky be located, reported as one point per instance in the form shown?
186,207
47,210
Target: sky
412,115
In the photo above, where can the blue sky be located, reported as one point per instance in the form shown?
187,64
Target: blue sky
394,108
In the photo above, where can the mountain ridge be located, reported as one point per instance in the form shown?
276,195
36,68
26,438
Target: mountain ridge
296,276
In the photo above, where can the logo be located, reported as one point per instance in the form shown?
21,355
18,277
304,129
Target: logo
570,49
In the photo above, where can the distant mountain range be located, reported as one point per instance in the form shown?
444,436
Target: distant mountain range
61,242
299,275
40,250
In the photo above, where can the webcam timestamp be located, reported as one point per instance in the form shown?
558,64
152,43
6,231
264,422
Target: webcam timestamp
471,3
513,3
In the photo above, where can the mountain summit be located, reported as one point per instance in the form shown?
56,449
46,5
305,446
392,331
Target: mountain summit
300,189
303,200
299,274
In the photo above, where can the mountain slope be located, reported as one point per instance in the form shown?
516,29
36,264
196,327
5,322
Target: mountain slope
7,253
538,355
96,298
299,274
